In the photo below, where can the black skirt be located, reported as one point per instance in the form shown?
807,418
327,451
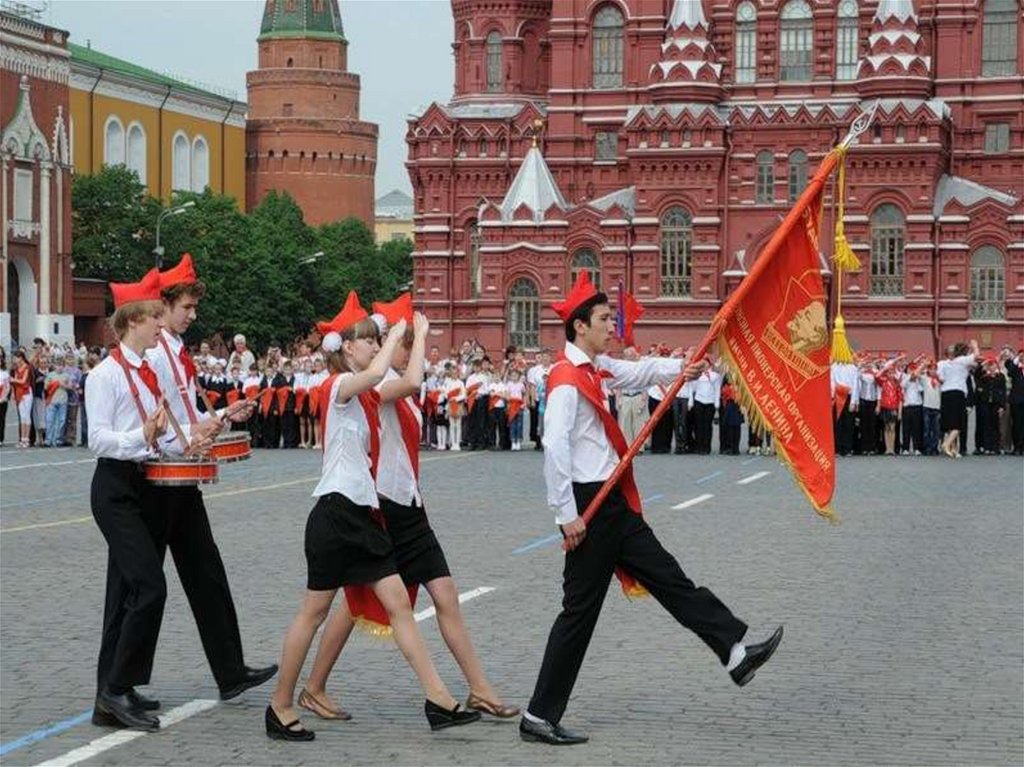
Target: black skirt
954,406
417,551
345,545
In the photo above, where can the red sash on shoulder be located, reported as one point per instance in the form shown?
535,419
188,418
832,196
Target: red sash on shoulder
233,395
471,395
51,389
842,395
266,399
281,394
410,433
251,392
515,404
300,401
587,381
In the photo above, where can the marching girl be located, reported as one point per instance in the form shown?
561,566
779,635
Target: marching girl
455,391
418,554
21,388
345,544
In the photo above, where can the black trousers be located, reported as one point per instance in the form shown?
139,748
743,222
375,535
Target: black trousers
844,430
679,413
868,432
534,437
271,428
913,428
1017,419
986,427
481,424
617,537
661,437
201,571
498,429
290,429
126,513
705,415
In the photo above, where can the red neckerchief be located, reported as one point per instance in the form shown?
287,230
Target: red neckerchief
146,375
190,374
410,426
370,400
587,381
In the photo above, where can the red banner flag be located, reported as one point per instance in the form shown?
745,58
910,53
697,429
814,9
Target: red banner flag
773,333
628,312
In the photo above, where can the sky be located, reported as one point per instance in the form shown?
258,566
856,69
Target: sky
401,49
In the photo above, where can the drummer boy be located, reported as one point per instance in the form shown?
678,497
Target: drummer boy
187,529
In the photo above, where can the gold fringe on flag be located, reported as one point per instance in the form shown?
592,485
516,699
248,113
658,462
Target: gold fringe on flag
845,260
373,629
756,420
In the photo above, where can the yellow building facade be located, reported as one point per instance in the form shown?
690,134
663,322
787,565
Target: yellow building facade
175,136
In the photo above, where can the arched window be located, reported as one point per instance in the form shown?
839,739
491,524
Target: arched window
608,51
764,186
887,237
475,272
137,151
796,32
113,142
999,38
847,41
524,314
495,69
200,164
676,247
746,43
585,260
797,174
181,172
988,284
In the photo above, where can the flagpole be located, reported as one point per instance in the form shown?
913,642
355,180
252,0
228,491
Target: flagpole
859,126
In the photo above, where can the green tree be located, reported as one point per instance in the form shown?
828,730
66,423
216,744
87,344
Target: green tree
112,222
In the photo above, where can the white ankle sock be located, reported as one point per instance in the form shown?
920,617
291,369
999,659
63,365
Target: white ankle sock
531,718
736,656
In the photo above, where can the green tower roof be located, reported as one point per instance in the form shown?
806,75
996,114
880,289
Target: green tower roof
301,18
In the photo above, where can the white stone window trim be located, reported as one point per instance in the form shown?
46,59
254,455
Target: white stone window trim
133,125
194,183
187,176
107,160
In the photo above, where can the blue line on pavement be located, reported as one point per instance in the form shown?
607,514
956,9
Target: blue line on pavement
538,542
702,480
45,732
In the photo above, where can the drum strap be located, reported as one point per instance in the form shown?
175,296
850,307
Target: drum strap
117,355
182,386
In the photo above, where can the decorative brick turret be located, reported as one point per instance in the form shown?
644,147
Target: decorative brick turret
689,68
895,64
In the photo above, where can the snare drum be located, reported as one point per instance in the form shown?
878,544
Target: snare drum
231,446
181,472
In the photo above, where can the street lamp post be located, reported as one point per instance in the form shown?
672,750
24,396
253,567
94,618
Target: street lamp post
310,259
158,251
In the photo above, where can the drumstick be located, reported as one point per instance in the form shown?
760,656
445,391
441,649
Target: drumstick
206,401
245,402
178,432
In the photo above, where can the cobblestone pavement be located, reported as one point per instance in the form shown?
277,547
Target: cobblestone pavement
904,627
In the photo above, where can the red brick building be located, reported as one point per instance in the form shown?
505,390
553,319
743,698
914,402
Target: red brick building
35,183
303,133
671,136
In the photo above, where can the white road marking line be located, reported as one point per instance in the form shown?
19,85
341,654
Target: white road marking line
46,463
115,739
99,745
752,478
693,501
422,615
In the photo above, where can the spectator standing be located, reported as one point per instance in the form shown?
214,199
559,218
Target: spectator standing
73,370
5,393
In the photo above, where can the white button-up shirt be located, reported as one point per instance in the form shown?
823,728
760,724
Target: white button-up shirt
912,392
868,386
164,367
395,478
953,373
346,462
576,448
707,389
846,374
115,427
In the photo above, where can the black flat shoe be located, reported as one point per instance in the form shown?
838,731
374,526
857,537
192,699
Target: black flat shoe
551,734
141,701
251,677
101,719
757,656
441,718
120,708
277,730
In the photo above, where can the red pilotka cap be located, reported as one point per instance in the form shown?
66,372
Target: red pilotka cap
581,292
399,309
182,274
351,313
146,289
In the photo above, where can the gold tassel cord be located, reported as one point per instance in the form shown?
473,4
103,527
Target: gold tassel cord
845,261
373,629
756,419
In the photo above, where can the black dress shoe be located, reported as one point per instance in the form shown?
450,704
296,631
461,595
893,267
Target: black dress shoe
101,719
141,701
251,677
443,718
278,730
757,656
120,708
545,732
